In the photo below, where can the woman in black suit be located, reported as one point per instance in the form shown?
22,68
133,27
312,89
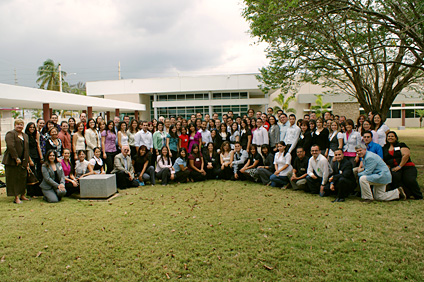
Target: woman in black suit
211,161
305,138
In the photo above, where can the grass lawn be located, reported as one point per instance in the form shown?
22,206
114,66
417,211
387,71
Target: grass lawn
213,231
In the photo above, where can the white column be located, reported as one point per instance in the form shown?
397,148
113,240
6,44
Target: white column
155,110
210,107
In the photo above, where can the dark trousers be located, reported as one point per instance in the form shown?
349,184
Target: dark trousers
174,156
123,180
344,187
212,173
197,176
226,173
278,181
263,174
407,179
182,176
110,158
313,185
164,175
70,189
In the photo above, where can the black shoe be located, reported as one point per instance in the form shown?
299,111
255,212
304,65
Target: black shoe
335,200
341,200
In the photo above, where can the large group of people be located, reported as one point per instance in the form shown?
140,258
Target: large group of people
327,155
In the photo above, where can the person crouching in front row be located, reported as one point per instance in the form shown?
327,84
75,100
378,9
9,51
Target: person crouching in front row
53,185
124,170
342,180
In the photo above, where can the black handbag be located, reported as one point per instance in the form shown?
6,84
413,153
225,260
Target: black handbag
31,178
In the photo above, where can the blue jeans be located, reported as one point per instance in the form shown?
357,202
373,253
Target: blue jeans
278,181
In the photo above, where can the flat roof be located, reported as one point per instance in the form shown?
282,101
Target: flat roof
179,84
33,98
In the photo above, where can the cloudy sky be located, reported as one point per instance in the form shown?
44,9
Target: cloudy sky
149,38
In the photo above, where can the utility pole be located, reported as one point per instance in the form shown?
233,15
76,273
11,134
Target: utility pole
60,77
119,69
16,78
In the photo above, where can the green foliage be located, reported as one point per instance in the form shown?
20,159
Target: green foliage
320,107
332,44
421,114
16,114
48,76
284,103
36,114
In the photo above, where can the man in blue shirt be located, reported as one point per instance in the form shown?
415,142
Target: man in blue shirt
371,146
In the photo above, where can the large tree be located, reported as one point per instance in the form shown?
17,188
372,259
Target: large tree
335,45
48,76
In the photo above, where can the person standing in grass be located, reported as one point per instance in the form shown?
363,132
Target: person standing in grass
172,142
17,161
108,145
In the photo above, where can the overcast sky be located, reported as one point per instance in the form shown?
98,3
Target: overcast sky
149,38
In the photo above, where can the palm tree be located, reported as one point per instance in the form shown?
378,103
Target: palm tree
48,76
420,113
320,107
284,103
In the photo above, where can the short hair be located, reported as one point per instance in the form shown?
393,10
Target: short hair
63,122
301,148
18,121
292,115
281,143
316,145
361,146
366,132
283,114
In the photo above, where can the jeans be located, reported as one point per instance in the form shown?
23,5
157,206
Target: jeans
278,181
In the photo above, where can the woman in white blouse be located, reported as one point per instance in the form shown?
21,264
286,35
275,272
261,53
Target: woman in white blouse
381,129
164,169
122,134
92,138
282,163
96,163
351,138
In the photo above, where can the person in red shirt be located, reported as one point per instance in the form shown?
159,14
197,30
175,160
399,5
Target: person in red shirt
265,121
183,142
65,136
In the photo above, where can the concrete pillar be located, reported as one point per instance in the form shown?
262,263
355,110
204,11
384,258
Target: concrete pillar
107,116
50,112
155,109
136,115
403,114
89,112
117,112
46,112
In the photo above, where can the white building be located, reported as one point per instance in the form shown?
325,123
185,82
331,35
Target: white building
186,95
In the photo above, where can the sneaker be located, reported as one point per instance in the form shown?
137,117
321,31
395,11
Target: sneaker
402,195
140,183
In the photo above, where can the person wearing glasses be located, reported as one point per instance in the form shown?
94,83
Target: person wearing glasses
124,169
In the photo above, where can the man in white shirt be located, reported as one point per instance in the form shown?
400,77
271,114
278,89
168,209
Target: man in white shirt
283,124
260,136
206,134
318,172
144,137
292,135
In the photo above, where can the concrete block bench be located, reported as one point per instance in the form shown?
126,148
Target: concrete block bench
98,186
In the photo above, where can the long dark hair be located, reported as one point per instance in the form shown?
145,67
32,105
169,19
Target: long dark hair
181,157
47,157
46,128
88,123
198,155
172,134
146,156
31,135
107,127
167,155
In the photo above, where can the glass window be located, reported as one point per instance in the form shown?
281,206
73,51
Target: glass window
226,95
162,98
189,96
181,97
216,96
396,113
172,97
243,95
396,105
409,113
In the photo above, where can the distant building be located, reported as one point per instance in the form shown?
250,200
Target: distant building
208,94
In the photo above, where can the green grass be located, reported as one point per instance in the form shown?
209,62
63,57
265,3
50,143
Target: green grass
212,231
